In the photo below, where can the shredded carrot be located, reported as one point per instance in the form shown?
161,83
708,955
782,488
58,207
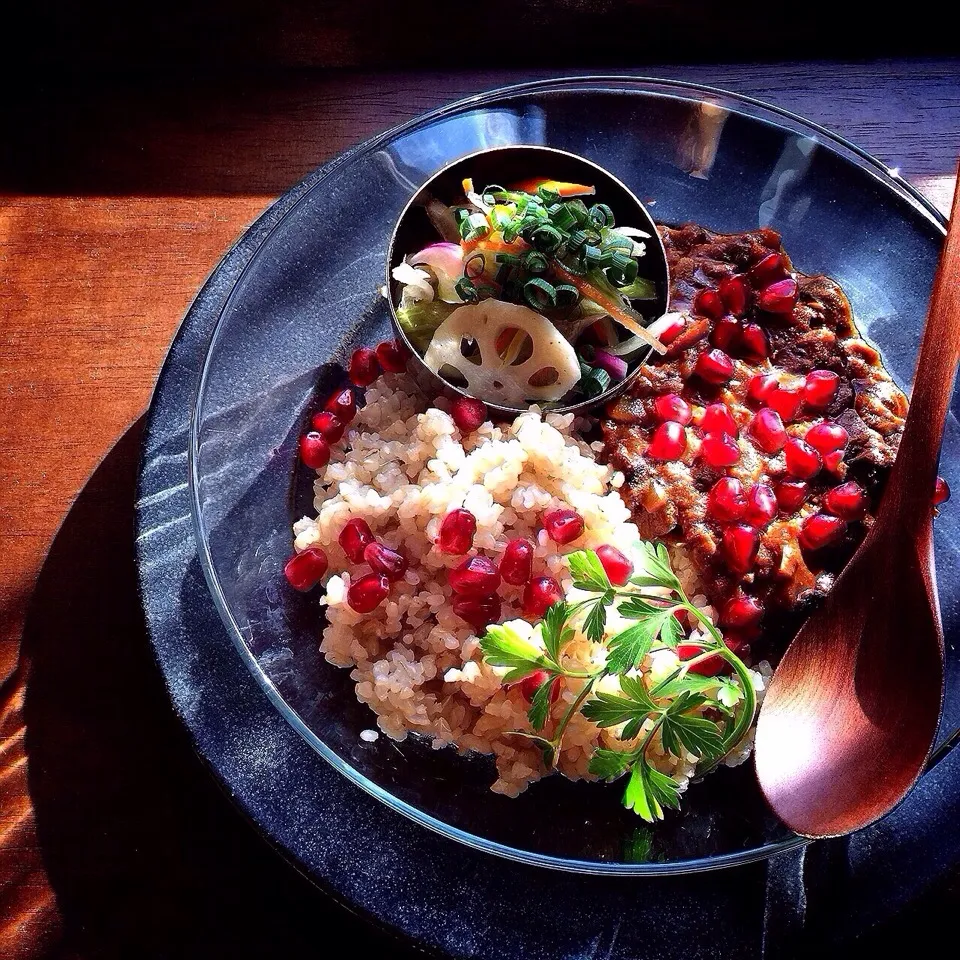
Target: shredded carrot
494,243
558,186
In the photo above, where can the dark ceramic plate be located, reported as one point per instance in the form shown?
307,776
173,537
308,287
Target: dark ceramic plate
309,295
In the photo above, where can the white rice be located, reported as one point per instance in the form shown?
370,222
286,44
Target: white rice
402,466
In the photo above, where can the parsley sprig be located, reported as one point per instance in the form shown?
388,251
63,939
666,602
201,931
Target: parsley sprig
704,717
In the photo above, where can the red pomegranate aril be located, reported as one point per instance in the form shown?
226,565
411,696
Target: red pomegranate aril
740,544
672,408
726,501
368,592
717,418
741,610
393,356
314,450
617,567
832,461
709,666
733,293
820,387
848,501
753,341
761,506
343,403
768,431
761,386
827,437
540,594
708,304
329,425
820,530
364,367
668,327
803,461
305,569
719,450
457,532
516,564
392,564
468,414
779,297
668,443
791,495
564,526
531,683
354,539
726,333
714,366
941,492
785,400
475,577
767,270
479,612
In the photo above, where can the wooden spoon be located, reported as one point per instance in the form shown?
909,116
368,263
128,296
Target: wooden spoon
850,716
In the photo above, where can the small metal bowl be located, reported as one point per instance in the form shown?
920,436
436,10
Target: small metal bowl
414,230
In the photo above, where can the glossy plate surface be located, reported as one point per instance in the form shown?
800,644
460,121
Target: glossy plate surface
309,295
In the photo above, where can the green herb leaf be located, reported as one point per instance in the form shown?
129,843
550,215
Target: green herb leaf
660,786
636,608
681,731
552,628
657,563
609,764
671,633
636,690
596,620
548,748
638,798
587,572
540,705
692,682
627,649
502,646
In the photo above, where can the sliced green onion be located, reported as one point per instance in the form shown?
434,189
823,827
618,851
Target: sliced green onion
475,265
466,290
567,294
577,240
602,215
540,294
460,214
592,256
579,210
623,276
509,259
547,238
475,227
615,241
639,289
593,381
485,291
547,195
535,262
564,219
512,230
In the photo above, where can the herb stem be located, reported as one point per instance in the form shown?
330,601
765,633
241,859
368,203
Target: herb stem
568,715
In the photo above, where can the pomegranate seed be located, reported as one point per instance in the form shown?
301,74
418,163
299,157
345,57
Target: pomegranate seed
741,610
354,539
304,570
718,419
740,545
368,592
779,297
726,333
753,341
761,505
827,437
479,612
820,530
616,566
820,387
516,564
791,495
710,666
765,271
540,594
530,684
802,460
733,293
329,425
314,450
941,492
364,367
457,532
672,408
768,432
564,525
468,414
393,356
382,559
785,400
726,501
719,450
668,443
343,403
668,327
848,501
761,386
708,304
475,577
832,460
714,366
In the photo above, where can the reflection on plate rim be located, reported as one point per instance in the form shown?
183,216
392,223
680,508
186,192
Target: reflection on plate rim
667,88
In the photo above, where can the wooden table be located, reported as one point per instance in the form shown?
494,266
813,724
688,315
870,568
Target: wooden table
118,198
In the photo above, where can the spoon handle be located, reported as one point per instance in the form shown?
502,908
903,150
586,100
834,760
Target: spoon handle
908,494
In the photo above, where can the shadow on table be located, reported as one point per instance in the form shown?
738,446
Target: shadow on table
146,856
